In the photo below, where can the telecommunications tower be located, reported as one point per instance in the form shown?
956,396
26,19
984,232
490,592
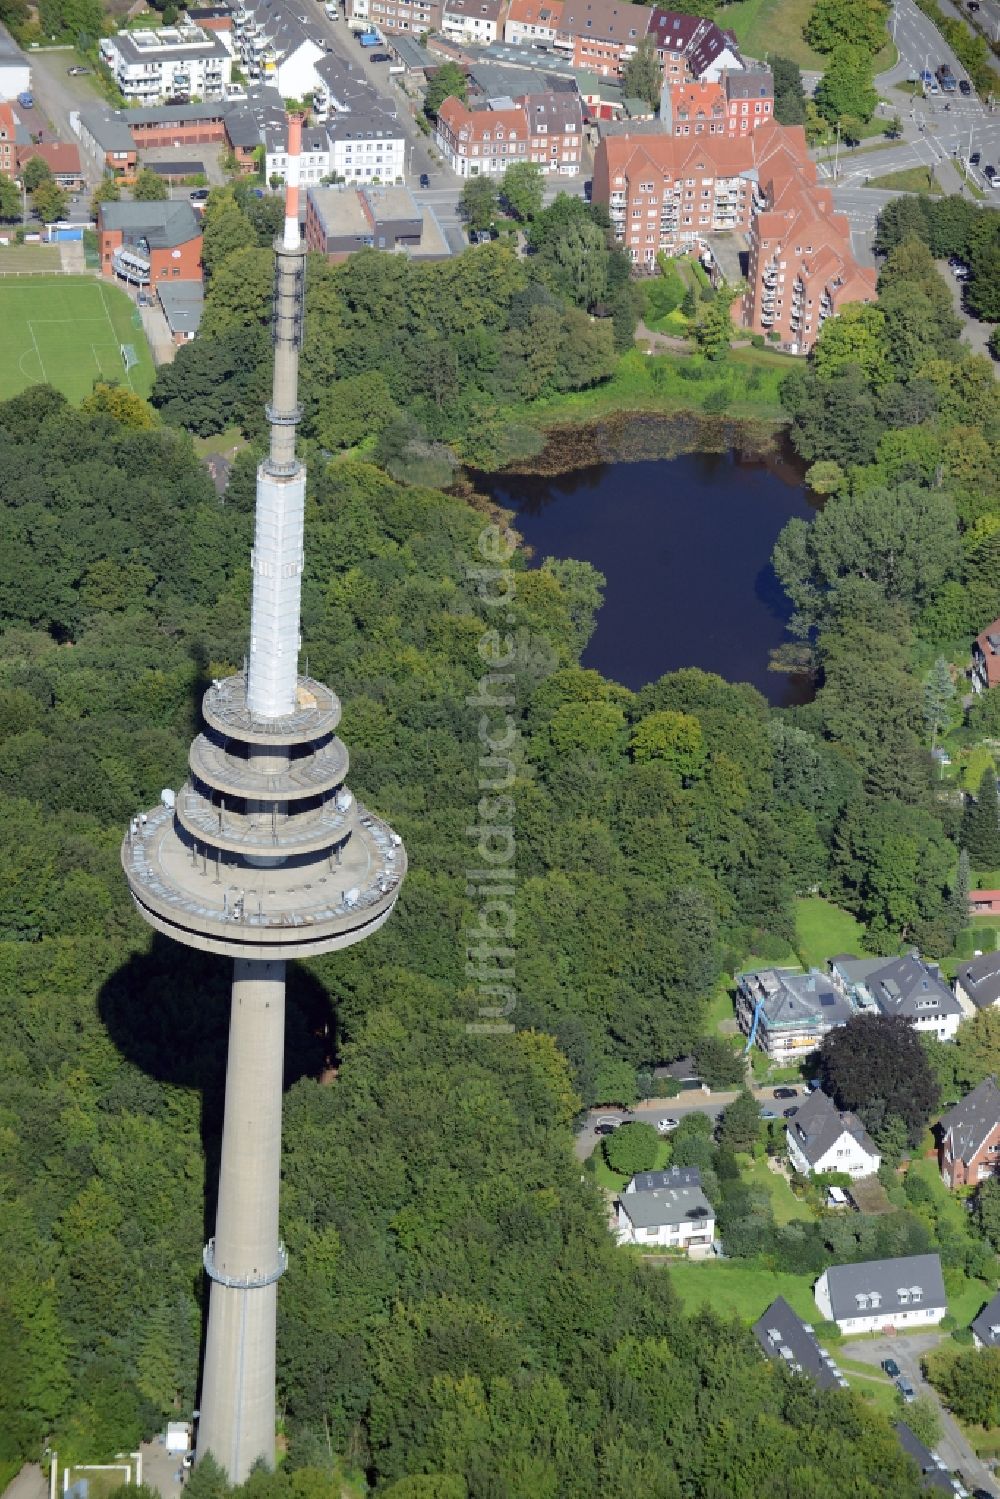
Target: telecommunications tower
263,855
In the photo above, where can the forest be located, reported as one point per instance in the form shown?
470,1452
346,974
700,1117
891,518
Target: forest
456,1319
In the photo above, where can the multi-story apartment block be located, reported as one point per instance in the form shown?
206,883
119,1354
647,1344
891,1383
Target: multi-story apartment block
749,99
690,47
546,128
533,23
601,35
367,145
668,193
152,65
414,16
276,47
475,21
801,268
733,107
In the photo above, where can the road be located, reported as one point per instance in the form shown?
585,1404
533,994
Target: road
953,1447
648,1110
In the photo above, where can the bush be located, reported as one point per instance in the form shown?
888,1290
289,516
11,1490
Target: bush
632,1148
717,400
757,340
827,1332
948,1323
963,1336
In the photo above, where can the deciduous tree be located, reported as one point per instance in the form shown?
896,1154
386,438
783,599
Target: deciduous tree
876,1066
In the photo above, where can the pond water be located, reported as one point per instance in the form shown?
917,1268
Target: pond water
685,545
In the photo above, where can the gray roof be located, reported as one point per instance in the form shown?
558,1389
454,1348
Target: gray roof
817,1125
559,110
981,980
783,1335
364,124
182,303
161,225
133,51
908,987
10,52
674,1176
796,999
410,52
972,1120
986,1324
886,1278
666,1207
932,1469
109,129
169,114
534,60
749,83
490,9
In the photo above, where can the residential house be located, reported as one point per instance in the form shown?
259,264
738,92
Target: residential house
673,1176
601,35
106,138
533,23
314,158
182,59
905,986
61,157
277,46
340,220
471,20
733,106
146,243
983,902
412,16
787,1013
546,128
977,983
555,130
879,1294
821,1138
367,145
986,1325
986,658
784,1336
691,47
676,1217
183,303
933,1471
749,94
8,140
969,1137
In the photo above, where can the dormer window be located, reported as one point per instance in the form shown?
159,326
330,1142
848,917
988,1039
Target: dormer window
862,1299
916,1293
904,1295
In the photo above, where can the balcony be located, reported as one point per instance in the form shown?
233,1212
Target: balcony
131,266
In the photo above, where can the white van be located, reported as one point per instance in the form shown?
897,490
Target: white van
332,11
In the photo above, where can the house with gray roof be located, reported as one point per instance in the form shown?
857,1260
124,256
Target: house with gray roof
905,986
787,1013
933,1471
899,1293
784,1336
977,983
986,1325
673,1176
822,1138
676,1217
969,1137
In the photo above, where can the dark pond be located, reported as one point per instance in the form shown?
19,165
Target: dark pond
685,545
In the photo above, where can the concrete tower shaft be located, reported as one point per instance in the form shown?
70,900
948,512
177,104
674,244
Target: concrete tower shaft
263,855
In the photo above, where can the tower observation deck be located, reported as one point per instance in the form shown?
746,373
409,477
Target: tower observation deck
264,854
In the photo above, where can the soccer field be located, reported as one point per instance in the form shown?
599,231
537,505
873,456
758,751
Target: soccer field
67,331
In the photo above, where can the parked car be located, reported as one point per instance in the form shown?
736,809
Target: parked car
975,158
666,1126
199,194
425,181
26,100
607,1122
786,1092
380,57
989,172
891,1368
790,1113
77,72
768,1114
604,1129
964,87
905,1388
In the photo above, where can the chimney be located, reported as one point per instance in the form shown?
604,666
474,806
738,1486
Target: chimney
290,240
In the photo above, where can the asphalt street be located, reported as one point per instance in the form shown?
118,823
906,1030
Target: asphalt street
953,1447
648,1110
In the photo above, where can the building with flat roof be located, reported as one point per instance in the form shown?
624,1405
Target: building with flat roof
183,303
343,219
152,65
15,69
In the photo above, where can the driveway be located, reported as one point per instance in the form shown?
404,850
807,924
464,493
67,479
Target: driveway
974,333
953,1447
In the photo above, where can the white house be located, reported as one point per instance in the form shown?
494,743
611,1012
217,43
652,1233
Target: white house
676,1217
878,1294
152,65
821,1138
471,21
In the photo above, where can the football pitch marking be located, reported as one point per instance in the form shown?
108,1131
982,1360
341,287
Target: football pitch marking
38,352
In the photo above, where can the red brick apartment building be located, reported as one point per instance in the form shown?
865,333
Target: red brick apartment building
546,128
735,106
601,35
670,193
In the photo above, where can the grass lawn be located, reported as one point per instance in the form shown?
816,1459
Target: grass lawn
773,26
823,929
740,1287
36,259
644,382
910,180
67,331
613,1180
784,1202
221,442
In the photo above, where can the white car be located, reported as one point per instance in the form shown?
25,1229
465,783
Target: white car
666,1126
